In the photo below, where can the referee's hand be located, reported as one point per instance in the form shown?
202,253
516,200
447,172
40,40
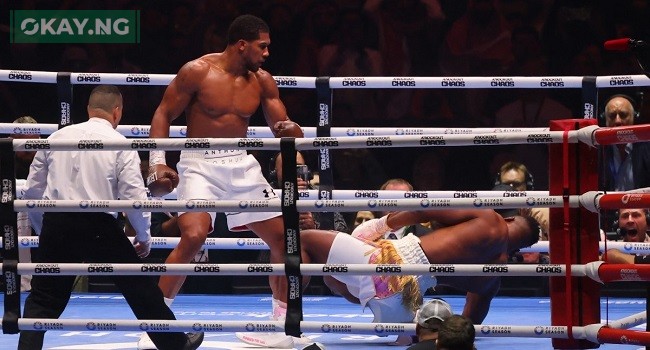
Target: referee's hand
142,248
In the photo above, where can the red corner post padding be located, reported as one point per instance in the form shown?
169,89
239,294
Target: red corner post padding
622,134
624,272
617,201
573,234
623,336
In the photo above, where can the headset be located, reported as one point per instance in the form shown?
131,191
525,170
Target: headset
618,229
632,101
530,181
273,174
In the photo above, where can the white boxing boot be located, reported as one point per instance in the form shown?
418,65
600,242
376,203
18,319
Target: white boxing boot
145,343
277,340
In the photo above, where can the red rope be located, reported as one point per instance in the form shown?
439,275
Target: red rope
567,232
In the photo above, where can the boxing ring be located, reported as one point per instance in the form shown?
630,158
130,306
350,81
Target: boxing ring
575,274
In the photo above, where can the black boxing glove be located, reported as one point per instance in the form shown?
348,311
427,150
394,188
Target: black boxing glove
287,128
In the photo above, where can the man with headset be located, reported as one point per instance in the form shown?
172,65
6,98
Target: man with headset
632,227
626,165
514,176
632,224
306,220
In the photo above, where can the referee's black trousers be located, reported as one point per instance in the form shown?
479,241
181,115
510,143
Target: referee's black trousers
91,238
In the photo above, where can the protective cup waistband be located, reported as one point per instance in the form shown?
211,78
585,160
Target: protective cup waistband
214,154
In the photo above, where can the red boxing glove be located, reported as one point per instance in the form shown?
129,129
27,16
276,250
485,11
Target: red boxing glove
287,128
161,180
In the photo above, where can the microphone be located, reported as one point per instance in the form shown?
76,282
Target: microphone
640,48
624,44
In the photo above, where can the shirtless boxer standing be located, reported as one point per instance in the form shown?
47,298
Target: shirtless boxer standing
218,93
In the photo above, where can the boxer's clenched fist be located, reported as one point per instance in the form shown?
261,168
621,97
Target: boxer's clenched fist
287,128
161,180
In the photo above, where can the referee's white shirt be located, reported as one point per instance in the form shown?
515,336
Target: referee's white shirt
79,175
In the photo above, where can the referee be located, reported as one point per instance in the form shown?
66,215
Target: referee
76,237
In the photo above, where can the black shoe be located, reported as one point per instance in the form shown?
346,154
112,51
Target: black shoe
194,340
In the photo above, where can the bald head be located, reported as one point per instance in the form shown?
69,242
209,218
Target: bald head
105,102
619,111
105,97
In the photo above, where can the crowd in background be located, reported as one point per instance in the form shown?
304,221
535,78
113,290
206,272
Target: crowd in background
366,38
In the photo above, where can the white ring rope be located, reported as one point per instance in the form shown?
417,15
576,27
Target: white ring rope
172,242
28,76
629,321
302,205
28,128
512,270
265,132
175,144
258,244
123,325
592,135
21,187
298,82
382,329
121,79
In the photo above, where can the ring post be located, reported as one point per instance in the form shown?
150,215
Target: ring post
573,235
9,239
291,236
324,99
589,97
64,92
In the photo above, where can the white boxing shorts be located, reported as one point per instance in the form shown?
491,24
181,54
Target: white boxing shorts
225,175
386,304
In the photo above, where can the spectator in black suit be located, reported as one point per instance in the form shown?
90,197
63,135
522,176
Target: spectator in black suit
626,165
